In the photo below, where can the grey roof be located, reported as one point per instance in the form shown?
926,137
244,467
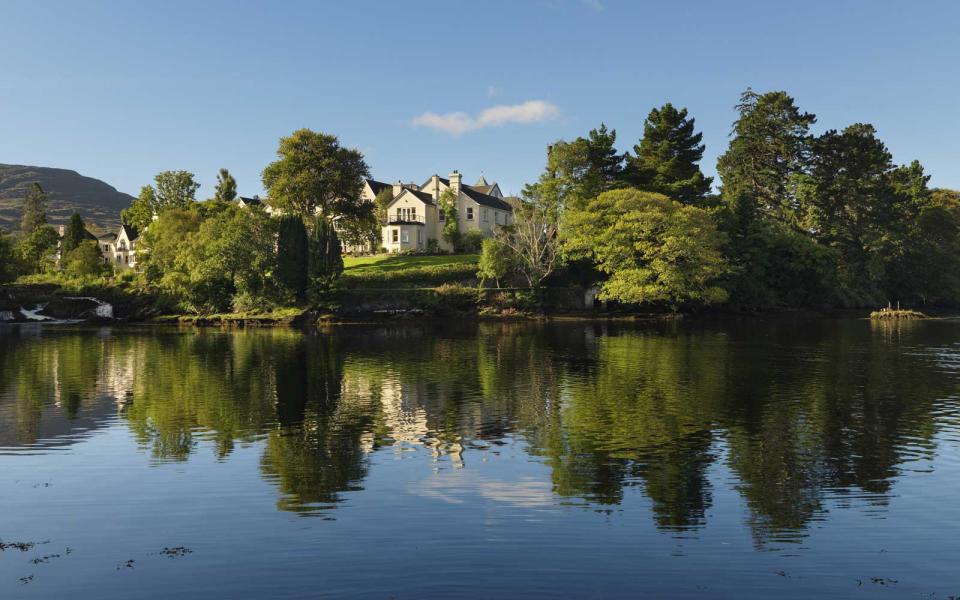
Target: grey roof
377,186
483,189
427,198
130,231
255,201
482,182
484,199
107,236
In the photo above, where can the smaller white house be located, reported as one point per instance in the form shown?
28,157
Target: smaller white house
120,249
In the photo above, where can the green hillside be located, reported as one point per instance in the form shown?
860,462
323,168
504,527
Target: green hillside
67,191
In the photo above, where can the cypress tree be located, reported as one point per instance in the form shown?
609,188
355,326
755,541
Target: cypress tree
326,260
34,209
666,158
73,234
226,189
292,255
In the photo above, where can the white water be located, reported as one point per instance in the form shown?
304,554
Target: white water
6,315
33,314
104,310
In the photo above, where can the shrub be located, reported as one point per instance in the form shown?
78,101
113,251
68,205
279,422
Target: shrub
470,241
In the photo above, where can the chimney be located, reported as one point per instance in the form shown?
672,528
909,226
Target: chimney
397,188
436,186
455,182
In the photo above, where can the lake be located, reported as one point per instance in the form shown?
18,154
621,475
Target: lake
755,458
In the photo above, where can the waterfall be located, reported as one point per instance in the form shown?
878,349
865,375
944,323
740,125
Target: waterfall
104,310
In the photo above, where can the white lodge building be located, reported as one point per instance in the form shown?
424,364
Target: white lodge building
120,249
414,216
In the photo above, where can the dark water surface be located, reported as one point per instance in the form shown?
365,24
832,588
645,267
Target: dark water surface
742,459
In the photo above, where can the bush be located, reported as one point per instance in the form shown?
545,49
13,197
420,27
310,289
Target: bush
84,261
470,241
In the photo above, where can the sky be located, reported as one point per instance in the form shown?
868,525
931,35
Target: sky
122,90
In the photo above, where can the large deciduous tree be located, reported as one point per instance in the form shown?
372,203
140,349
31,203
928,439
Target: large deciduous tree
666,159
770,146
654,249
140,212
174,189
314,173
532,239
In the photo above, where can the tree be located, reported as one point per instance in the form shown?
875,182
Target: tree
292,255
226,190
174,189
666,159
9,261
73,234
382,201
159,246
855,201
496,261
580,170
34,209
451,222
770,146
532,240
326,260
84,260
38,248
141,211
654,249
313,172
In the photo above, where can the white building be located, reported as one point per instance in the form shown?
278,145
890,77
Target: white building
120,249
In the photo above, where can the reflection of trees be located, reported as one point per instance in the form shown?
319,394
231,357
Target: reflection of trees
315,453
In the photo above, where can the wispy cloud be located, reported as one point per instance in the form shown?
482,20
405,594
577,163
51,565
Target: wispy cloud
596,5
456,123
493,91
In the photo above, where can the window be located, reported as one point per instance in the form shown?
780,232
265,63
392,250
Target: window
395,236
398,216
413,213
440,211
406,237
469,213
485,218
419,237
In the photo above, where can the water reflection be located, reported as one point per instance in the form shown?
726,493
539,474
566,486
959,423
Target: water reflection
801,416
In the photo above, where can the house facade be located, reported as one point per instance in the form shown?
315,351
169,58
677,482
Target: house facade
414,216
120,249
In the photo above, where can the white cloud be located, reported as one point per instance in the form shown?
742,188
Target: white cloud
456,123
596,5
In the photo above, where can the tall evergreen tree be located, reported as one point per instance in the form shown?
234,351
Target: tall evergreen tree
326,260
293,255
226,189
770,146
666,158
34,209
73,234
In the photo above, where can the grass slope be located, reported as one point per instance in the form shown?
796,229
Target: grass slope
412,271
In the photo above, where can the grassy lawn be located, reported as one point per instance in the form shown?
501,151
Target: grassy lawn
410,271
385,263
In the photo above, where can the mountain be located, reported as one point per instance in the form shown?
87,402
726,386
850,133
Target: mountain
67,192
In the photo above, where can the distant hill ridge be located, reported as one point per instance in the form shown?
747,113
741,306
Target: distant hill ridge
67,192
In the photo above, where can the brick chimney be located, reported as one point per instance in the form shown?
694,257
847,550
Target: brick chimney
455,182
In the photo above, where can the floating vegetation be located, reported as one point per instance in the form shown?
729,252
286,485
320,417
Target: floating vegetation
893,314
21,546
175,552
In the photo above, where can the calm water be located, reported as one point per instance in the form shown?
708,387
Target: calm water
753,459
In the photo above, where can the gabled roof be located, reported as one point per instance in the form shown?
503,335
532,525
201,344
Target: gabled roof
483,189
442,180
255,201
423,196
482,182
107,237
377,186
484,199
130,232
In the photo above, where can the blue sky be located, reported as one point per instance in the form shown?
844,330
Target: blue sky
122,90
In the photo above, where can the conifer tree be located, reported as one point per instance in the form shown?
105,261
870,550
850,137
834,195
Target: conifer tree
226,189
292,255
326,261
34,209
666,158
73,234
